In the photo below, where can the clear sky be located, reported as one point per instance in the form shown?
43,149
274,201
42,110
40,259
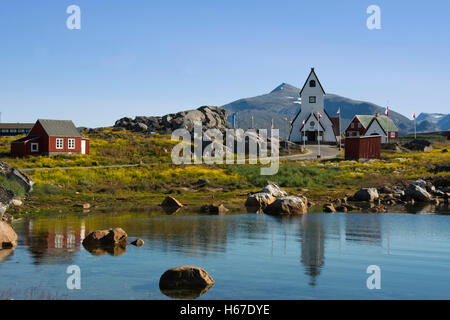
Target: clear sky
139,57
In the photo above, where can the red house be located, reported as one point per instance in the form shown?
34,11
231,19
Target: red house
366,125
51,137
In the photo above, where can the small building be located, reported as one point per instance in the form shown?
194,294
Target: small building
366,125
51,137
363,147
14,129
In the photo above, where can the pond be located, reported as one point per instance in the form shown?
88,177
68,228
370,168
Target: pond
250,256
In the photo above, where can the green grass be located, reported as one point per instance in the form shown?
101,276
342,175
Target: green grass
291,175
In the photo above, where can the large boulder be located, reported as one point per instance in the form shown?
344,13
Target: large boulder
109,237
8,237
418,193
259,200
366,194
16,175
291,205
183,277
213,209
273,189
6,197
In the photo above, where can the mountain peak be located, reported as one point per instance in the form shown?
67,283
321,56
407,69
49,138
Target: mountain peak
284,86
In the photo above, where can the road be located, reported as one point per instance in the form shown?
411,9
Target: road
326,151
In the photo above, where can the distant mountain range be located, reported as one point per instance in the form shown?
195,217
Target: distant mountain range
282,104
441,120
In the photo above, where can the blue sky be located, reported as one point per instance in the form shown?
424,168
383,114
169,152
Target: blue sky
141,57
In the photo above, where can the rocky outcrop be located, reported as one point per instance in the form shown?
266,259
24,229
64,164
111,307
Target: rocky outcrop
365,194
329,207
185,277
109,237
291,205
6,197
213,209
210,117
8,237
419,145
15,174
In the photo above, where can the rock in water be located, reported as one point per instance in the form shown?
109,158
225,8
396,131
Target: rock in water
259,200
105,237
171,202
418,193
291,205
8,237
213,209
366,194
185,277
138,243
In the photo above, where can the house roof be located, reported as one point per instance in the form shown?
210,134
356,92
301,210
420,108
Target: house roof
385,123
307,119
60,128
16,125
365,120
312,72
25,139
335,122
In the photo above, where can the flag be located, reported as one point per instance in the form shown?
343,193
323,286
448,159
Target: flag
414,116
387,111
339,111
303,122
252,118
319,115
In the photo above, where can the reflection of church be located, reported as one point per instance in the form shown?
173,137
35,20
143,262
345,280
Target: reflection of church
313,248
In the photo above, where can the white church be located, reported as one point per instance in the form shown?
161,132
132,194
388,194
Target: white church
306,126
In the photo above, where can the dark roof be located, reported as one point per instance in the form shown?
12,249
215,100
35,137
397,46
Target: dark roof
25,139
16,125
312,71
60,128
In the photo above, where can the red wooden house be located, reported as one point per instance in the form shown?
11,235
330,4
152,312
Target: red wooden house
366,147
366,125
51,137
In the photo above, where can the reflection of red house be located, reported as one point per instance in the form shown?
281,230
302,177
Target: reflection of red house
51,137
66,240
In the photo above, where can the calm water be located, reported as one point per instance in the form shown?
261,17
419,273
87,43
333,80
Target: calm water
318,256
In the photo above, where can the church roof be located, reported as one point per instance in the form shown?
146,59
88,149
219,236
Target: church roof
312,72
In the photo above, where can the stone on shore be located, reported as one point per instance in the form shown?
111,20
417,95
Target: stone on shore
366,194
6,197
418,193
8,237
329,207
291,205
171,202
259,200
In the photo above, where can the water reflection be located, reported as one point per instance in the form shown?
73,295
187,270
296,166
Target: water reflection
312,247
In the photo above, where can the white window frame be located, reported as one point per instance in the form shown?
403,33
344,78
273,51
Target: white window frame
392,134
59,143
71,143
34,144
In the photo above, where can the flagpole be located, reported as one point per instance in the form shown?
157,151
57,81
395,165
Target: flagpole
340,129
318,134
304,135
415,137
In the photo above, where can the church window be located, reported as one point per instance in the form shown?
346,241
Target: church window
312,83
312,99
